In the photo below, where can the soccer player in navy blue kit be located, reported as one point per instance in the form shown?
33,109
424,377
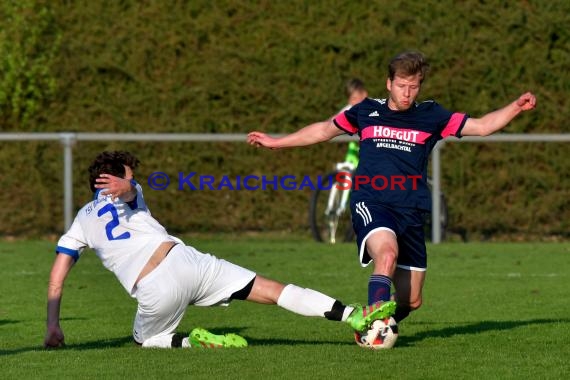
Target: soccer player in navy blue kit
390,195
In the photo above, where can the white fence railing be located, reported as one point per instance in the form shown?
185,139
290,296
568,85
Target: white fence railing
68,139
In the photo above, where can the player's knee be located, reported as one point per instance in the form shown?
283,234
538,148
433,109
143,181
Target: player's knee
415,304
265,291
411,305
390,255
385,258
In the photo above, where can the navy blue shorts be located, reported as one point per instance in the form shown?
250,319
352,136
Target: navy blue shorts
407,224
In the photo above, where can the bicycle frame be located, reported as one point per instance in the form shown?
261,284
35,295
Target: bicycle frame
334,210
342,167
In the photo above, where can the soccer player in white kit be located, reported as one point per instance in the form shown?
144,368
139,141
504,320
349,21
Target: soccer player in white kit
164,274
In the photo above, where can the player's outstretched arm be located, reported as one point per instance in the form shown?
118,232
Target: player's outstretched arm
311,134
54,337
497,120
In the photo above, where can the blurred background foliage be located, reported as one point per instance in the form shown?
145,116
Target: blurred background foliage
235,66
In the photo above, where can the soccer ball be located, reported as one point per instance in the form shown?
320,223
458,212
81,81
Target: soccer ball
382,334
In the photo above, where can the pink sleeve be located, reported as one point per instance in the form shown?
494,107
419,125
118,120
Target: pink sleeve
454,125
342,122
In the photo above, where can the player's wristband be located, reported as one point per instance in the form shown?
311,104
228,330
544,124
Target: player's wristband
134,183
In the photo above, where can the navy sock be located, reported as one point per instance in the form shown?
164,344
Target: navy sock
379,287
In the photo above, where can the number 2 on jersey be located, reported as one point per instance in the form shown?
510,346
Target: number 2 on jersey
113,223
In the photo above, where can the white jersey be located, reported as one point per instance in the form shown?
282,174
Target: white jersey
123,235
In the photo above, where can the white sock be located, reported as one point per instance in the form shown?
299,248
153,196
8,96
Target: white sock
164,341
159,341
346,313
303,301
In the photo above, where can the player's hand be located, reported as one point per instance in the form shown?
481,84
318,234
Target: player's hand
54,338
260,139
114,186
526,101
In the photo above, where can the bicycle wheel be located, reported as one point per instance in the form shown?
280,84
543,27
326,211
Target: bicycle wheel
329,211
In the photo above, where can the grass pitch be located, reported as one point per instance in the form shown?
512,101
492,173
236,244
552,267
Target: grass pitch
491,311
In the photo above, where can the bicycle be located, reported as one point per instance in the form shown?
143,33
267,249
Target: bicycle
329,217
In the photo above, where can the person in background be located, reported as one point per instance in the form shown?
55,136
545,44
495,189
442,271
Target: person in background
355,92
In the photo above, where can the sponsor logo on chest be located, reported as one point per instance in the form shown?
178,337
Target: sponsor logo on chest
382,132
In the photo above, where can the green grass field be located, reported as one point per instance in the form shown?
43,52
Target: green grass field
491,311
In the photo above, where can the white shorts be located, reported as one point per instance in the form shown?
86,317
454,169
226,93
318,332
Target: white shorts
185,277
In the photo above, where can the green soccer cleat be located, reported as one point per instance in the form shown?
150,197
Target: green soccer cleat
200,337
362,317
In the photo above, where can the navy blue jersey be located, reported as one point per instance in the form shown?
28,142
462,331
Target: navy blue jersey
394,149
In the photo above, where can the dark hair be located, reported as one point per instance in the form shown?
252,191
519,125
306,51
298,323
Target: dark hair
408,63
353,85
111,163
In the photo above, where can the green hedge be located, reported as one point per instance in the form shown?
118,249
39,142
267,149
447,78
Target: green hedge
29,41
227,66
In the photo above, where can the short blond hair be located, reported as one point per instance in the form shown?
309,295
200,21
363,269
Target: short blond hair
408,63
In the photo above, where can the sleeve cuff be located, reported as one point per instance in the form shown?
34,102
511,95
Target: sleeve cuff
66,251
